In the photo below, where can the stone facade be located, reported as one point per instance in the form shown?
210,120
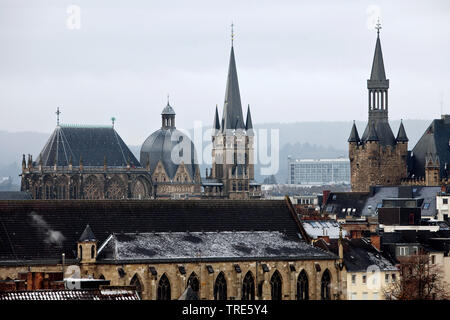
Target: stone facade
372,164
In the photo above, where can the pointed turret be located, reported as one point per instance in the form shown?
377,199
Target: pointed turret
232,111
354,136
87,235
378,73
372,135
216,123
401,135
168,117
249,124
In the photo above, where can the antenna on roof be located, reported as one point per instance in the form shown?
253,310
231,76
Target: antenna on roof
232,33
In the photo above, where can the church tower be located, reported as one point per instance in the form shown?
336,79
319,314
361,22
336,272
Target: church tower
378,158
233,140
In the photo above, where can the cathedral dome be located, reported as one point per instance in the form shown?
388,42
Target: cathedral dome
170,146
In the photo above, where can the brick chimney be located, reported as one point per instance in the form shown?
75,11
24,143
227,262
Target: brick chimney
326,194
375,241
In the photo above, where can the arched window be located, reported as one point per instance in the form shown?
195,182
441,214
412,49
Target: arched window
248,287
195,284
81,252
276,286
102,277
92,252
325,293
164,288
136,283
220,287
302,286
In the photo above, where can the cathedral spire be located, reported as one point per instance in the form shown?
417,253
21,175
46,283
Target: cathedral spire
378,73
401,135
249,124
232,111
354,136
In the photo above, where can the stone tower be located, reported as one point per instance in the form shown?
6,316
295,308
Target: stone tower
233,140
378,158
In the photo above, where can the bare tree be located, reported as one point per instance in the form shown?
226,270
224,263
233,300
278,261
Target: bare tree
419,280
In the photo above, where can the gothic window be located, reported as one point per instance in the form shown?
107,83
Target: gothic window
164,288
302,286
92,189
248,287
92,252
139,190
325,286
81,252
48,191
220,287
195,284
234,186
276,286
116,189
240,186
136,283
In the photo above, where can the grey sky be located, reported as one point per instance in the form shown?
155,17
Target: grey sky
296,60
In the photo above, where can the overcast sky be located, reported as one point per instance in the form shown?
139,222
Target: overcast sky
296,60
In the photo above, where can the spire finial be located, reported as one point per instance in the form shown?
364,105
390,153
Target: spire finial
378,27
57,115
232,33
113,119
168,100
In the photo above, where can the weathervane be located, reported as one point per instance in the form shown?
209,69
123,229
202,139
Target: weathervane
113,119
378,26
57,115
232,33
168,100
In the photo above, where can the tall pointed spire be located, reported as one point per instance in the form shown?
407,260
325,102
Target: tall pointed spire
232,111
378,72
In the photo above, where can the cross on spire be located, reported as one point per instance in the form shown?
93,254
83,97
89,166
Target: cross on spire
57,115
232,33
378,26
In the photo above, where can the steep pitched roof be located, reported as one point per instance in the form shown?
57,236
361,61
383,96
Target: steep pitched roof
372,133
401,135
216,123
92,143
248,123
232,111
168,110
34,230
354,136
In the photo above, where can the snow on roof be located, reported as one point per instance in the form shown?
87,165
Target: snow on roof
208,245
318,228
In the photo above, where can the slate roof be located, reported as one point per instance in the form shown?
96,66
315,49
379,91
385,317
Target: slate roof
87,235
168,110
159,147
14,195
354,136
378,73
401,135
102,294
435,142
92,143
37,229
232,117
359,254
207,246
366,203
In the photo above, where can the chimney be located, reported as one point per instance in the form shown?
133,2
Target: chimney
326,194
375,241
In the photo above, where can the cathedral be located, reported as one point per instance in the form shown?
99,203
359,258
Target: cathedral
378,157
93,162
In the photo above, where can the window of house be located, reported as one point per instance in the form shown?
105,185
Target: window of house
364,279
386,278
365,295
426,206
411,218
379,205
433,259
375,296
353,296
445,201
393,277
403,251
353,278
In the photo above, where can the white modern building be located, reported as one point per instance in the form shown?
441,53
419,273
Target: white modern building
318,171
